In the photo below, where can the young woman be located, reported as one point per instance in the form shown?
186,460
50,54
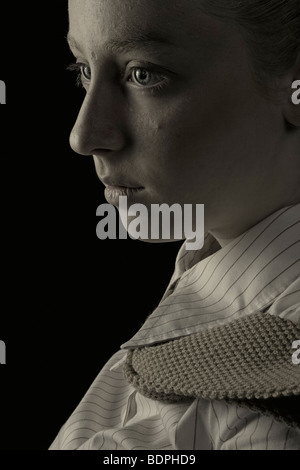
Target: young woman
191,102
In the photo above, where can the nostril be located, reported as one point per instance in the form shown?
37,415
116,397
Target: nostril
102,153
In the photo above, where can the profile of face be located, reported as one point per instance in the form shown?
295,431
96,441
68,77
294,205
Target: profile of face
173,111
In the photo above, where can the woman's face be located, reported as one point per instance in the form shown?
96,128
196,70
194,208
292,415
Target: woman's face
172,108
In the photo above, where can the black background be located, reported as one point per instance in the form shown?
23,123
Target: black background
68,300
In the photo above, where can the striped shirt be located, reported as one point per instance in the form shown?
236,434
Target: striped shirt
258,271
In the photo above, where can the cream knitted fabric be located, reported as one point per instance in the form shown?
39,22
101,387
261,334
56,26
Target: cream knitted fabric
248,361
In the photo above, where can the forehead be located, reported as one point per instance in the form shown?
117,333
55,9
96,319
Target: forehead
177,23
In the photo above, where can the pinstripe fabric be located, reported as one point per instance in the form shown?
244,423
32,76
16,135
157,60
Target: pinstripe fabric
259,271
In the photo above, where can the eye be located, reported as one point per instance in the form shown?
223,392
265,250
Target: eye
86,72
144,77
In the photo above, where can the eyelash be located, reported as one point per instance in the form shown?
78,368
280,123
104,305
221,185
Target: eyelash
76,67
80,80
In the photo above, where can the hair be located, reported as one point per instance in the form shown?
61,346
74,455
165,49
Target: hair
270,29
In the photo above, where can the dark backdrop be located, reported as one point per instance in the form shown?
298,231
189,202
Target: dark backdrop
63,290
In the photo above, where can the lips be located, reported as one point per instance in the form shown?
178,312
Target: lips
113,193
117,187
119,184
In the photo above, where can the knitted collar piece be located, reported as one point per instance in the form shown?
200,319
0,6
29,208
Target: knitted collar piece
247,361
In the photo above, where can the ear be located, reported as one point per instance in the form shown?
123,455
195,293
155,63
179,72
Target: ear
291,109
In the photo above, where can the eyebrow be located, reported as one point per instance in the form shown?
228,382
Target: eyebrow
139,41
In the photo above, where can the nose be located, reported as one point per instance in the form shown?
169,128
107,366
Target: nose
99,126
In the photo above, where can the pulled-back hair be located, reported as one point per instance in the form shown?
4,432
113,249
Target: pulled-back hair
270,28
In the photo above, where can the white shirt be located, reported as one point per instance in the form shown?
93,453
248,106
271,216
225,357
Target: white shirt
257,271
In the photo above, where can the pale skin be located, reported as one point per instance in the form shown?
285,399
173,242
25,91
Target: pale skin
182,117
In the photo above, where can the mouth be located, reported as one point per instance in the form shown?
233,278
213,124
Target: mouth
114,190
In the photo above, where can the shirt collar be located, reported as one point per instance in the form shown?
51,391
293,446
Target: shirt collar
214,285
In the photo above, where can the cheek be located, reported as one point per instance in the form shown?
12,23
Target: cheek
207,130
167,156
186,139
172,140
